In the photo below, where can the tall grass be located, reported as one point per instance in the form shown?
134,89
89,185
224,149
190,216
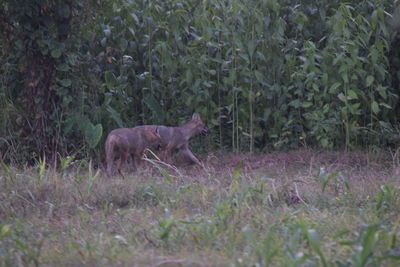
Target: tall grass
239,215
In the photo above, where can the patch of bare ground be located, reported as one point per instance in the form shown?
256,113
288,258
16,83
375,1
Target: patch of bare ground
303,161
303,158
299,170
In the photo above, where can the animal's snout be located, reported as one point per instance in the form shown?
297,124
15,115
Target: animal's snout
205,131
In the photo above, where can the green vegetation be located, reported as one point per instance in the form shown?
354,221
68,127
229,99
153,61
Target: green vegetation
262,74
267,210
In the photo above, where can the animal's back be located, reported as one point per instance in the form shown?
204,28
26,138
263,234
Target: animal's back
171,136
164,132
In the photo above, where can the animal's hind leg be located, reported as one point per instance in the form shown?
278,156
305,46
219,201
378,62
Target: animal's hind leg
130,163
121,162
109,167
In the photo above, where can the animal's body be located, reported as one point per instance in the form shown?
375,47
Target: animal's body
178,137
129,142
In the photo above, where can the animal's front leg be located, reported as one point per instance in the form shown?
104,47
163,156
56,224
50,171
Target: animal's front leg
186,151
133,163
138,160
122,162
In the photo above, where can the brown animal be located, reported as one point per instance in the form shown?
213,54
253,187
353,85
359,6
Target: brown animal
178,137
129,142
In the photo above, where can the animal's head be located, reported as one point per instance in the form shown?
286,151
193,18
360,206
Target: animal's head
199,124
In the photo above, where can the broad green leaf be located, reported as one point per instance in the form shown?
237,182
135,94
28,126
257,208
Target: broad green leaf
157,110
375,107
352,94
370,79
307,104
207,84
69,122
132,31
110,80
385,105
295,103
123,44
251,46
267,113
189,76
382,92
259,76
115,115
333,88
135,18
356,106
260,56
212,72
214,122
245,56
56,53
93,134
342,97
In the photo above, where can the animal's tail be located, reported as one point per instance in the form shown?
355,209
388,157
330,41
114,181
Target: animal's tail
109,147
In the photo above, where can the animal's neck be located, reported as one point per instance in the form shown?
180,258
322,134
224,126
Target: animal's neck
188,129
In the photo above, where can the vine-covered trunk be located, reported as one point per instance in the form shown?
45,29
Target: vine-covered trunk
39,102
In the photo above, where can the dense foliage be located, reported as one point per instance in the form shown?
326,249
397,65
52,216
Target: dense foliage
262,74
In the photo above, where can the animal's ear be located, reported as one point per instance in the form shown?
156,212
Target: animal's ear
196,117
157,131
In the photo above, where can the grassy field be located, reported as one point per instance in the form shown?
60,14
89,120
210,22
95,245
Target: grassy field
299,208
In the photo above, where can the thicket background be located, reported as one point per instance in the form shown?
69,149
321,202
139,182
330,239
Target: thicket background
263,74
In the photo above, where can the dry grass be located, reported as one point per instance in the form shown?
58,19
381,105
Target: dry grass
236,209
